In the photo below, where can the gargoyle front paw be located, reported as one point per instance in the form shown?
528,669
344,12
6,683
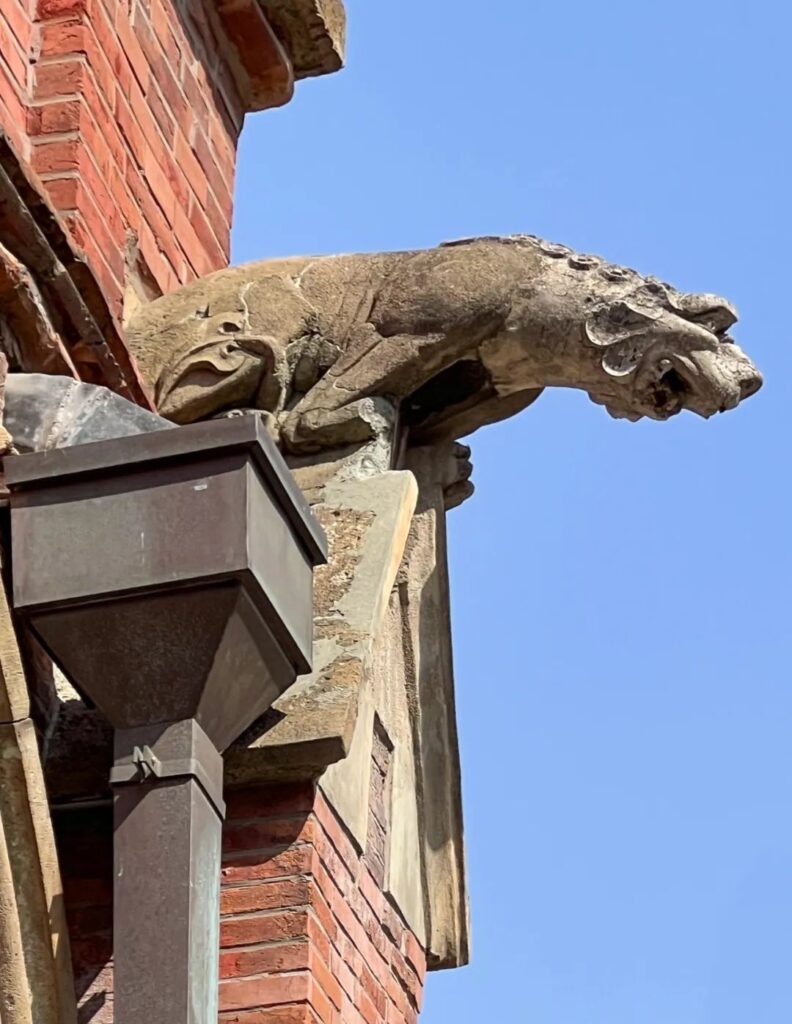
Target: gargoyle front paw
458,486
445,465
229,368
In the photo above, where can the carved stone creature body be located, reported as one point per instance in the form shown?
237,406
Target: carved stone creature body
451,338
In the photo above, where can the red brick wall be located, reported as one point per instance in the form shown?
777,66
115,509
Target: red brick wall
307,934
16,48
127,111
133,125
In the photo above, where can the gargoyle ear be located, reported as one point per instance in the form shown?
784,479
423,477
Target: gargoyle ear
711,311
622,357
623,331
618,322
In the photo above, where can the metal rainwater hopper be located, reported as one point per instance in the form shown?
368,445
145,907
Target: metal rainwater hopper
169,575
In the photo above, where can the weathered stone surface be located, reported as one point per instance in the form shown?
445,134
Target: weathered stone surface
32,919
29,334
313,32
312,725
20,811
14,987
35,963
452,338
14,700
31,901
442,473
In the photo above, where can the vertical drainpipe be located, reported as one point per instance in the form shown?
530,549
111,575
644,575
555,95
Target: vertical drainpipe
168,817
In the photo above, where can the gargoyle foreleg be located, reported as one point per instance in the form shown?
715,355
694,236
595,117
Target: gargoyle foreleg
347,405
374,367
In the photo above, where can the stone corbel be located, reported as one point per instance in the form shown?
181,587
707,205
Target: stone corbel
273,43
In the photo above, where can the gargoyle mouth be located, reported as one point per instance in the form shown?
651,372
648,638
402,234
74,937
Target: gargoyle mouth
668,394
705,380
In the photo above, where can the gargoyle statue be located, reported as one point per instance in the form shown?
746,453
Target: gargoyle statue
450,338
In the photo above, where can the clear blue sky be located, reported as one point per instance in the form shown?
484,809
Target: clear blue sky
620,592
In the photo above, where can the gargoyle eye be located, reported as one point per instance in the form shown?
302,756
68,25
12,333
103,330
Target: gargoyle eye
228,327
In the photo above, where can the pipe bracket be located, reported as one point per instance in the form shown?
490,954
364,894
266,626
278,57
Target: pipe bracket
182,750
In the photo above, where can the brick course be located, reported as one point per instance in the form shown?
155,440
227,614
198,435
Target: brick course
16,52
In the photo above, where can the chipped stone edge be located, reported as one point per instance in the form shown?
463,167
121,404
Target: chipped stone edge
313,32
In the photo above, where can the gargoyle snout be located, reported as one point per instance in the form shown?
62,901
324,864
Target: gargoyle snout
750,383
721,378
746,376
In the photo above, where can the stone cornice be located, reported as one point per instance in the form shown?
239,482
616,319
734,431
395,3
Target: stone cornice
313,32
273,43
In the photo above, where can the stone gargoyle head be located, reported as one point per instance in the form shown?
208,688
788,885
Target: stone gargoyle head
668,353
636,345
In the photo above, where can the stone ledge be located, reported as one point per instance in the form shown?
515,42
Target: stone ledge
313,31
272,43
